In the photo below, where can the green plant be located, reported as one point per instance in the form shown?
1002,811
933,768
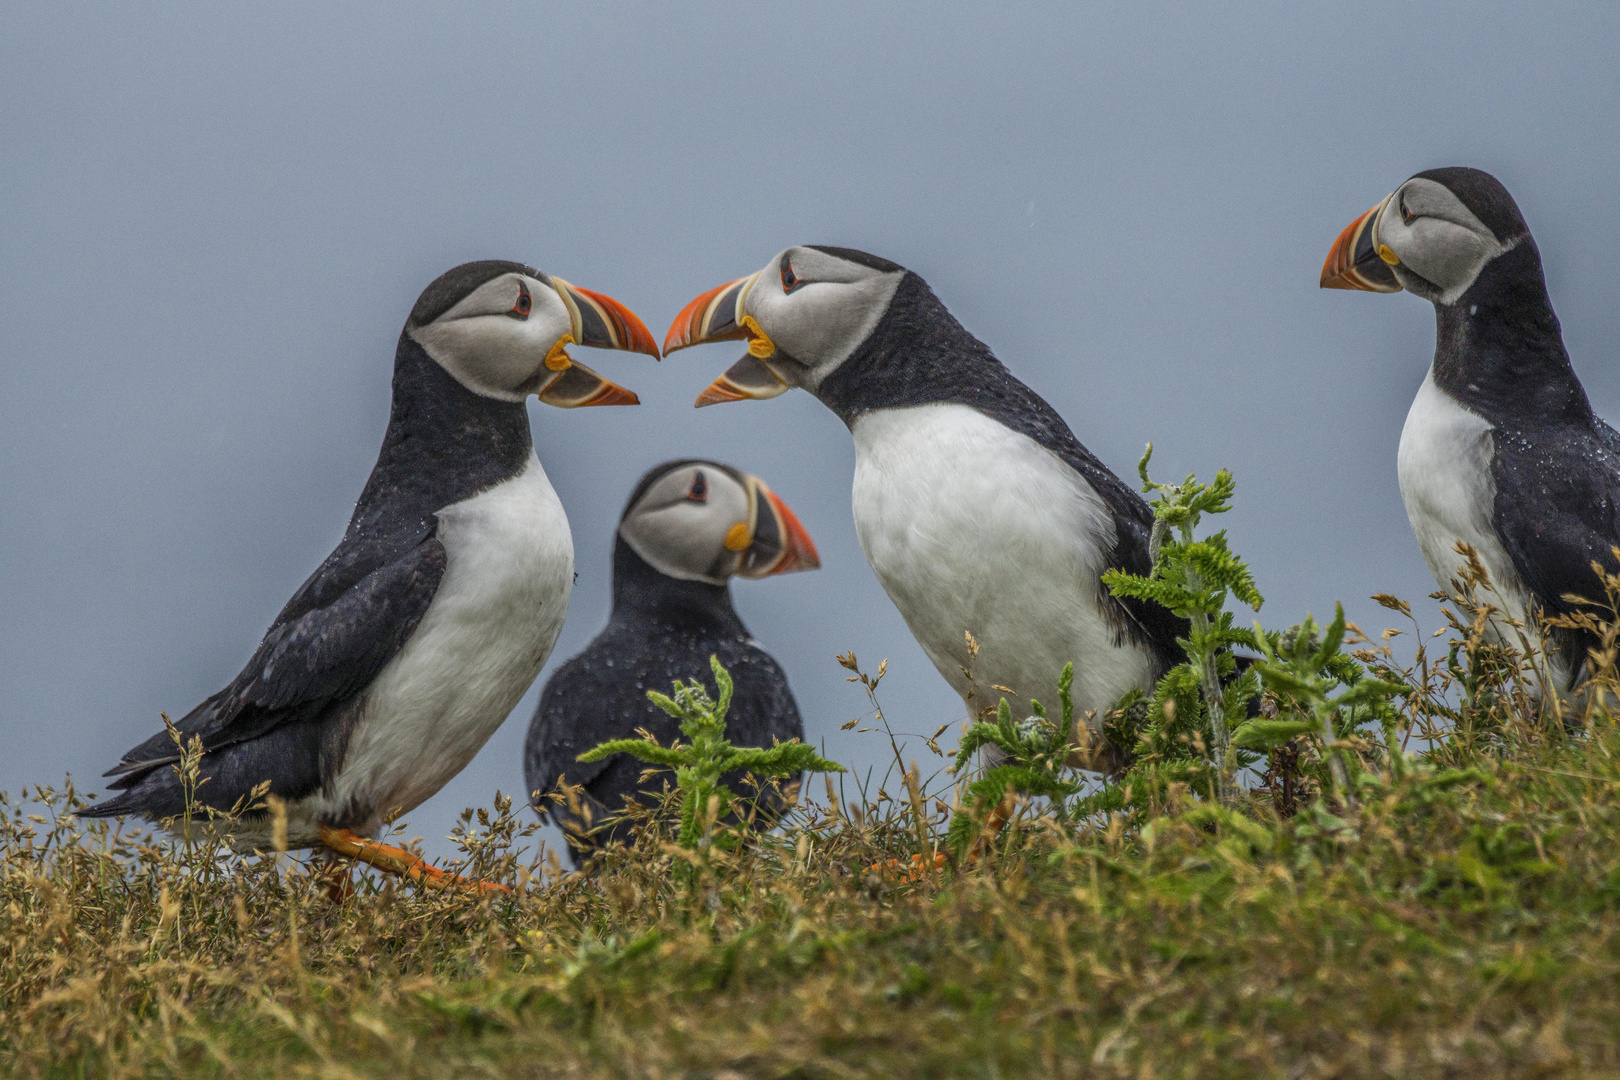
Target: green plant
701,763
1193,578
1303,666
1035,754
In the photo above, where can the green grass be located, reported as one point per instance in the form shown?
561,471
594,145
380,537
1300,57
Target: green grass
1462,929
1452,914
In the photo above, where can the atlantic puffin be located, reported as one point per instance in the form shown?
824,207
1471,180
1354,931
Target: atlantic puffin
1501,449
687,529
986,521
390,667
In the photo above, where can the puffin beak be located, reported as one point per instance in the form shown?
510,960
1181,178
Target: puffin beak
600,322
718,315
780,544
1354,261
711,317
603,323
577,386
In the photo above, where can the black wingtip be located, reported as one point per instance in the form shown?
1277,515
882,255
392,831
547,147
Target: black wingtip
116,807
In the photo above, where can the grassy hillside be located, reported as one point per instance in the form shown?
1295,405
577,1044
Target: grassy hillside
1383,870
1455,924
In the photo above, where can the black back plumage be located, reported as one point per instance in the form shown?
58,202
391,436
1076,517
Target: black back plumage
1500,352
919,354
287,716
661,629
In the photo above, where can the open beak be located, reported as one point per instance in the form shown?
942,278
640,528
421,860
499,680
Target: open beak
780,545
717,315
1354,262
600,322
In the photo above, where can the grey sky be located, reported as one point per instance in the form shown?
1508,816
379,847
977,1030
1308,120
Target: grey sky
214,219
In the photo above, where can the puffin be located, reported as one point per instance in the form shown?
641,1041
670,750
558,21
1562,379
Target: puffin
399,657
1501,449
985,520
688,528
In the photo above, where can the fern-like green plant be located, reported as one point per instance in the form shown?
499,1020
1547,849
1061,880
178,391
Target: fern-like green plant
1303,665
700,763
1034,759
1193,578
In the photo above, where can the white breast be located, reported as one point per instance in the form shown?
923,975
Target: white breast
499,607
1445,471
973,527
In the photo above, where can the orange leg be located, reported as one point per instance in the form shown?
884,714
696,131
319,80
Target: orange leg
399,861
993,825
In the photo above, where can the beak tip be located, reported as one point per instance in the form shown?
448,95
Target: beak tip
799,551
716,393
625,330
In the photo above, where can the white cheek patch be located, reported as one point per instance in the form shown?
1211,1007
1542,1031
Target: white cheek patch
488,351
491,355
1445,244
822,322
685,539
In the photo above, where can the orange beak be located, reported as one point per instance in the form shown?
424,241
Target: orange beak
716,316
602,323
1353,261
711,317
578,387
780,544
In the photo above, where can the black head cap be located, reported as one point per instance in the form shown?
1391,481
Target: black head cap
860,257
452,286
1485,196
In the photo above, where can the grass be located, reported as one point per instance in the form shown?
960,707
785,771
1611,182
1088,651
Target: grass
1456,917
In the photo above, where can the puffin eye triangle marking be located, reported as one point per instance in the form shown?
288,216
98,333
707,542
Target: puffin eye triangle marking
699,491
790,280
1406,215
524,304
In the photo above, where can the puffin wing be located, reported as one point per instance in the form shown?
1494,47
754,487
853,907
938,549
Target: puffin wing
577,711
762,710
336,634
1555,511
1008,401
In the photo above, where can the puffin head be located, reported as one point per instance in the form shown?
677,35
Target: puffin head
802,316
704,521
502,330
1432,236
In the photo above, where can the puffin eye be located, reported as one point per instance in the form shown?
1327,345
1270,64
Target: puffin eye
1406,215
699,491
790,280
520,310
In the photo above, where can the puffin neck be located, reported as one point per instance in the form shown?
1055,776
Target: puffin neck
444,443
918,354
640,590
1499,349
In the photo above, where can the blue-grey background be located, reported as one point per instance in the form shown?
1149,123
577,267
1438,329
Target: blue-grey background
213,220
